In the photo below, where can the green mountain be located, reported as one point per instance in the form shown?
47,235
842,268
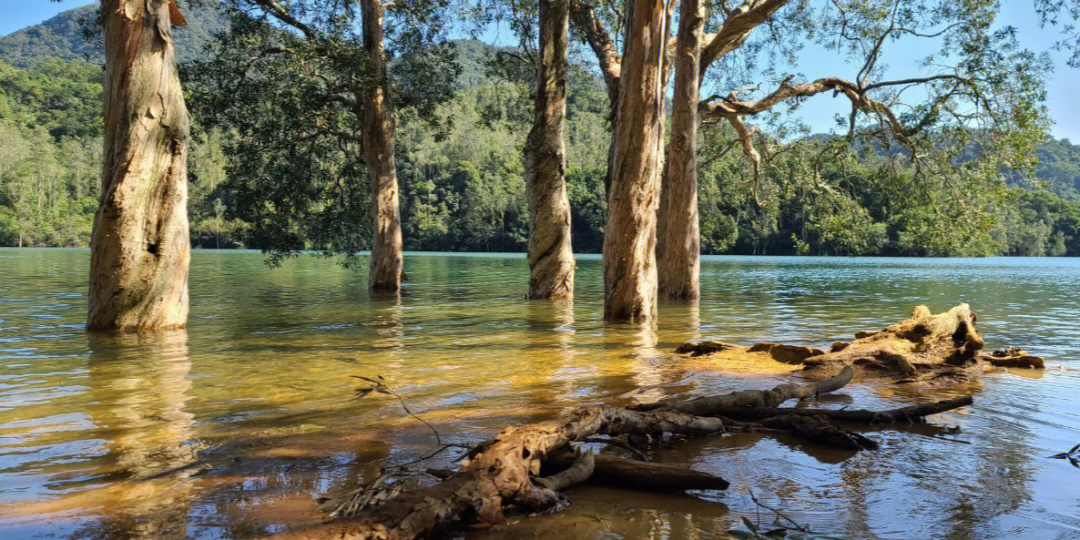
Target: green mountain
74,35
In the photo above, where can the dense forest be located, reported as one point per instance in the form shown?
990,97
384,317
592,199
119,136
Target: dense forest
461,171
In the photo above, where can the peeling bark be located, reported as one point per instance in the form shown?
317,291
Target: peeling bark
551,257
678,239
139,249
378,134
630,280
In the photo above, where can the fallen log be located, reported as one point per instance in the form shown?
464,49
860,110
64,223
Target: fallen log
642,475
504,473
708,405
822,431
912,414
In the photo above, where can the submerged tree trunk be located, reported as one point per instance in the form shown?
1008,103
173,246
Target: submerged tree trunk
679,245
630,234
139,250
551,258
387,261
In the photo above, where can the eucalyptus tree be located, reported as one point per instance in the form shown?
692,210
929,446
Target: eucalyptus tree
975,81
338,70
636,80
539,59
979,84
139,249
551,256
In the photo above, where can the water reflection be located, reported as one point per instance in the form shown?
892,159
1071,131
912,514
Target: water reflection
239,427
136,396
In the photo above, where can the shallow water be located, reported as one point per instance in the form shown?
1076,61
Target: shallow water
235,427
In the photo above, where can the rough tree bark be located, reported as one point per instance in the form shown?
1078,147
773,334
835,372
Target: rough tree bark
630,234
139,250
924,348
679,241
921,343
551,259
387,261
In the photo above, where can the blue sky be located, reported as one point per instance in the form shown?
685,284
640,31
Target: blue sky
1061,88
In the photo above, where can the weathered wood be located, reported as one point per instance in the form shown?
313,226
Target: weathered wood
709,405
642,475
1013,357
504,473
139,248
820,430
788,354
922,342
702,348
914,413
581,468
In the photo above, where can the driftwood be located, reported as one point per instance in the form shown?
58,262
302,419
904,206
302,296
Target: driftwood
925,348
709,405
921,342
524,467
819,429
915,413
628,473
505,470
1013,357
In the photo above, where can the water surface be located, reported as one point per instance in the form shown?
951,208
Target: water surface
237,426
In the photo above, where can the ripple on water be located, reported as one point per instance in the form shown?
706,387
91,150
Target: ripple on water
232,427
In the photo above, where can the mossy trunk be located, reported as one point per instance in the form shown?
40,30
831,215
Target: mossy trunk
630,235
679,244
139,250
387,261
551,258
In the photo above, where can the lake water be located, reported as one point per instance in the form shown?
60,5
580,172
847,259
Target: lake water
235,427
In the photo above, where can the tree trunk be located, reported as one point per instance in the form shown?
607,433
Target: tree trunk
387,261
139,248
551,258
630,234
679,244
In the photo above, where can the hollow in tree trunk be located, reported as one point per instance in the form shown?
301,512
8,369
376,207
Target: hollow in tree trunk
630,235
139,249
387,261
680,243
551,259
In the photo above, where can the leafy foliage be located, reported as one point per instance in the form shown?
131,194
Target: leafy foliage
275,164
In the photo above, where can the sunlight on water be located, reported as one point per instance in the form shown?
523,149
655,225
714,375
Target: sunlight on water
234,427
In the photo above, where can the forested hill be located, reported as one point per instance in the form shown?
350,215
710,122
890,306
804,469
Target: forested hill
462,177
65,37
